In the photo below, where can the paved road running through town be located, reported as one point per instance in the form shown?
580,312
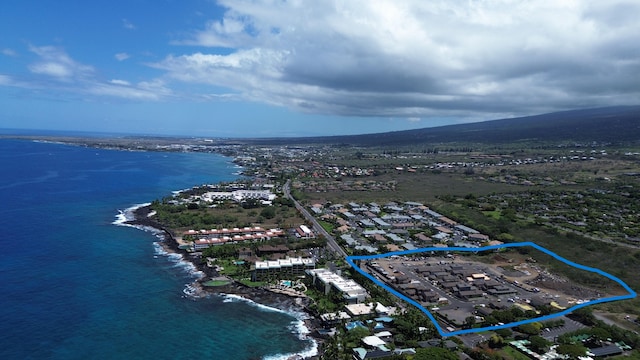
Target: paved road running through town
331,242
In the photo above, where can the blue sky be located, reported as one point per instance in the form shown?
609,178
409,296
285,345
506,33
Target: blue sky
303,68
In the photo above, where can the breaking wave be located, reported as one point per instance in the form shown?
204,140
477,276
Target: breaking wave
297,327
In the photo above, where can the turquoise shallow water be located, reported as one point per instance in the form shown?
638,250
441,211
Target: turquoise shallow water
74,285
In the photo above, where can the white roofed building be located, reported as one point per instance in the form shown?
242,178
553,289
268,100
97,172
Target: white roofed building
282,269
327,281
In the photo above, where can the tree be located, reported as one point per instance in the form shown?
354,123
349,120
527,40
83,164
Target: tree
434,353
353,336
505,333
575,351
600,333
583,315
469,321
496,341
490,320
539,344
268,212
530,328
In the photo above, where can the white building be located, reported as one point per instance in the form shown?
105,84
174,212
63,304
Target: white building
326,281
239,195
282,268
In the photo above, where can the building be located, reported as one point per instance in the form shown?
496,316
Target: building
282,268
239,195
212,237
304,232
267,250
326,281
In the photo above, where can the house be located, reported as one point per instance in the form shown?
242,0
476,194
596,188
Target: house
422,237
270,249
381,223
470,294
447,221
245,253
362,354
392,247
478,237
349,239
360,309
330,319
385,336
607,350
366,223
484,311
304,232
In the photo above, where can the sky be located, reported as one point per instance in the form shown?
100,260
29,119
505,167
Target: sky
242,68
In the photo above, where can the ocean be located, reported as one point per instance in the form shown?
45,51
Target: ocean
75,285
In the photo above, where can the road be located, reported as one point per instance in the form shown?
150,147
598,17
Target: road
331,242
608,321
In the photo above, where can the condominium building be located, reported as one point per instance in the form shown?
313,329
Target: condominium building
282,269
326,280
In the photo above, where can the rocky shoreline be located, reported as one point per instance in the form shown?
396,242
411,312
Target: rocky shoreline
256,294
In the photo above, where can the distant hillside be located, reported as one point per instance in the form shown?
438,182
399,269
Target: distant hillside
612,124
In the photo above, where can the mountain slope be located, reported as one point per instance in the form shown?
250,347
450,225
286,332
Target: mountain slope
612,124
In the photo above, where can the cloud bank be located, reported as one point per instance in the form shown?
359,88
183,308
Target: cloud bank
67,76
419,58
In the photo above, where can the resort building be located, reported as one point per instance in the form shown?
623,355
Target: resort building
239,195
208,238
282,268
328,281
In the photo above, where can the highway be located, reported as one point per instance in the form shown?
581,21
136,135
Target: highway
331,242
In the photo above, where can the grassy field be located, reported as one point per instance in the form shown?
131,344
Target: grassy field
214,283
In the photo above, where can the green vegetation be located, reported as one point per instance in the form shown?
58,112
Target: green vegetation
250,283
183,212
435,353
598,331
327,226
216,283
511,353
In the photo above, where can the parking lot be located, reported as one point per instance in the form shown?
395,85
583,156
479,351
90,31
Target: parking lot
451,289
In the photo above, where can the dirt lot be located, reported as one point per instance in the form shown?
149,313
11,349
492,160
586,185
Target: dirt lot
530,275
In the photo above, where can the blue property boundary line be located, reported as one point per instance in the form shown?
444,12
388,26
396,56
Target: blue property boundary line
350,259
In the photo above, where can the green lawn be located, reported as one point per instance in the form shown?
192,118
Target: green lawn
513,353
496,214
216,283
327,226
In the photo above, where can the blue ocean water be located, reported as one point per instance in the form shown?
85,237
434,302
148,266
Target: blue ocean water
76,286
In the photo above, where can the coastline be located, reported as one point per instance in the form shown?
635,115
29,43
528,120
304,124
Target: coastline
137,216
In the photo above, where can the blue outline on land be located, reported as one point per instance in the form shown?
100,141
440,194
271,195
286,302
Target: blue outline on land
632,294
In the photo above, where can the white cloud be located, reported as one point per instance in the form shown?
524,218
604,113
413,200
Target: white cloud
5,80
124,90
56,63
120,82
9,52
73,78
128,24
420,58
122,56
